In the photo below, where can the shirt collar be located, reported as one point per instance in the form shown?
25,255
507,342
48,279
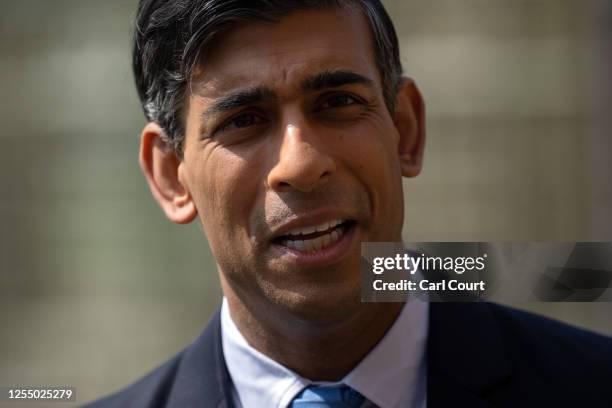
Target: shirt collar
391,375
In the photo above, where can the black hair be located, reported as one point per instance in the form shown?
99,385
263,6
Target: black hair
171,37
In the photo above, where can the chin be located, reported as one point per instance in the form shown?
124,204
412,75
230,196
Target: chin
322,304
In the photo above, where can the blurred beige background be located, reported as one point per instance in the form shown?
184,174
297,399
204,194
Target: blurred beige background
97,287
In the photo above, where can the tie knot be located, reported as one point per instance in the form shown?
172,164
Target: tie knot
340,396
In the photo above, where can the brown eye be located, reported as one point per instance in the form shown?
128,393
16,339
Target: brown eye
242,121
338,101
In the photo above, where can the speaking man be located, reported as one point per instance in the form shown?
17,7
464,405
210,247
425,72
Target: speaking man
285,127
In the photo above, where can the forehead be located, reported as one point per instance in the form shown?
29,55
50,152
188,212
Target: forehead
280,54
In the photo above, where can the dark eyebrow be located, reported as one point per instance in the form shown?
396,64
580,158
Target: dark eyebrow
334,79
249,96
238,99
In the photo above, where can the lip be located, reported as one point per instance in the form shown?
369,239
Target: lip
323,257
308,220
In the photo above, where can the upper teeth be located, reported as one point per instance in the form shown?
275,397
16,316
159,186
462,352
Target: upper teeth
324,226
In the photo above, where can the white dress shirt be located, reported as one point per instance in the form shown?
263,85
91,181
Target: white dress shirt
392,375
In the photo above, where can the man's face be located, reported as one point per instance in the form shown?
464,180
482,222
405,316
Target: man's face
287,131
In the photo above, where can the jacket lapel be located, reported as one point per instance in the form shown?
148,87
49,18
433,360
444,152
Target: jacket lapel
202,379
465,358
465,355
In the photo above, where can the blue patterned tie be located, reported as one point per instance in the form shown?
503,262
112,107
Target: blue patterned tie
341,396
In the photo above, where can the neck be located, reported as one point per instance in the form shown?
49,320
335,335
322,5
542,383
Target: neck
314,350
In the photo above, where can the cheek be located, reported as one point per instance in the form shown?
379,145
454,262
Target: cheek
374,161
372,152
225,192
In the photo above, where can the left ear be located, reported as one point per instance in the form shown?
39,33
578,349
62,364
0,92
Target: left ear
410,123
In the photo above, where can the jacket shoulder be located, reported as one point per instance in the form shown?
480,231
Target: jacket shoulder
554,349
196,376
150,391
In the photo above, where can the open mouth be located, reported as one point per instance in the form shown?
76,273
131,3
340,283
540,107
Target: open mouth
314,238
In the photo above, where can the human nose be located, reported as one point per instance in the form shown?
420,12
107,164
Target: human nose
302,162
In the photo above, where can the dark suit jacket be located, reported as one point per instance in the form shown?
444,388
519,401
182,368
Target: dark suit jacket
479,355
